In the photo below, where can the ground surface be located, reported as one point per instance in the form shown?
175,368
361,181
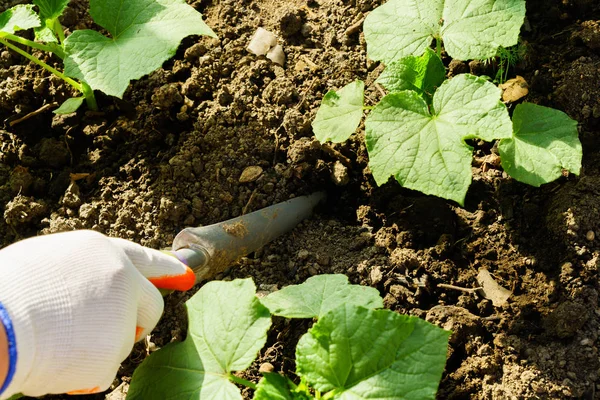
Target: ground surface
170,155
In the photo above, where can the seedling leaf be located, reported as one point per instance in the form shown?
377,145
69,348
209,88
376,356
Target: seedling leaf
227,328
45,34
50,10
425,150
144,34
70,105
340,113
372,354
318,295
544,142
18,18
422,74
273,386
470,29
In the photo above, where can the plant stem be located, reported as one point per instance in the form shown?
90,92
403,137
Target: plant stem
438,47
58,30
42,64
25,42
90,99
242,381
329,395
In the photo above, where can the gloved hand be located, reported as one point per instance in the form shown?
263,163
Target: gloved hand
76,303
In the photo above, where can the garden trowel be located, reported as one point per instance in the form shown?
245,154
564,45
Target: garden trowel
210,250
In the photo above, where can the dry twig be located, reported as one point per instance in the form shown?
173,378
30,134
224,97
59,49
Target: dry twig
461,289
40,110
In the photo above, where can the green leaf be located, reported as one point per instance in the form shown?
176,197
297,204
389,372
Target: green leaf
144,34
373,354
422,74
18,18
340,113
45,34
50,10
427,151
70,105
227,328
318,295
545,141
470,29
273,386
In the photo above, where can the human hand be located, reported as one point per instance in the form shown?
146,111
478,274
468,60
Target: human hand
76,302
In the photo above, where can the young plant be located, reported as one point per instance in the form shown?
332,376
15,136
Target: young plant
469,29
417,133
505,59
354,350
143,34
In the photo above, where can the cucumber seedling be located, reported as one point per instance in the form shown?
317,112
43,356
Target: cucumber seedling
142,35
417,133
354,350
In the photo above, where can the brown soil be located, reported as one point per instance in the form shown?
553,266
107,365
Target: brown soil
170,155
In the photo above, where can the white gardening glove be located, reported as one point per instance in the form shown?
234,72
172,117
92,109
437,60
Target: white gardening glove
77,302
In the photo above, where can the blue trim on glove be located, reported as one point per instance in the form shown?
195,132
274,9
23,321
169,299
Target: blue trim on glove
12,346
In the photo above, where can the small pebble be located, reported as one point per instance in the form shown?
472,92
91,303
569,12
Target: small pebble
376,275
266,367
302,254
590,236
339,175
250,174
194,52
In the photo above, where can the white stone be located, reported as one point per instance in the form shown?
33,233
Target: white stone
261,42
276,55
